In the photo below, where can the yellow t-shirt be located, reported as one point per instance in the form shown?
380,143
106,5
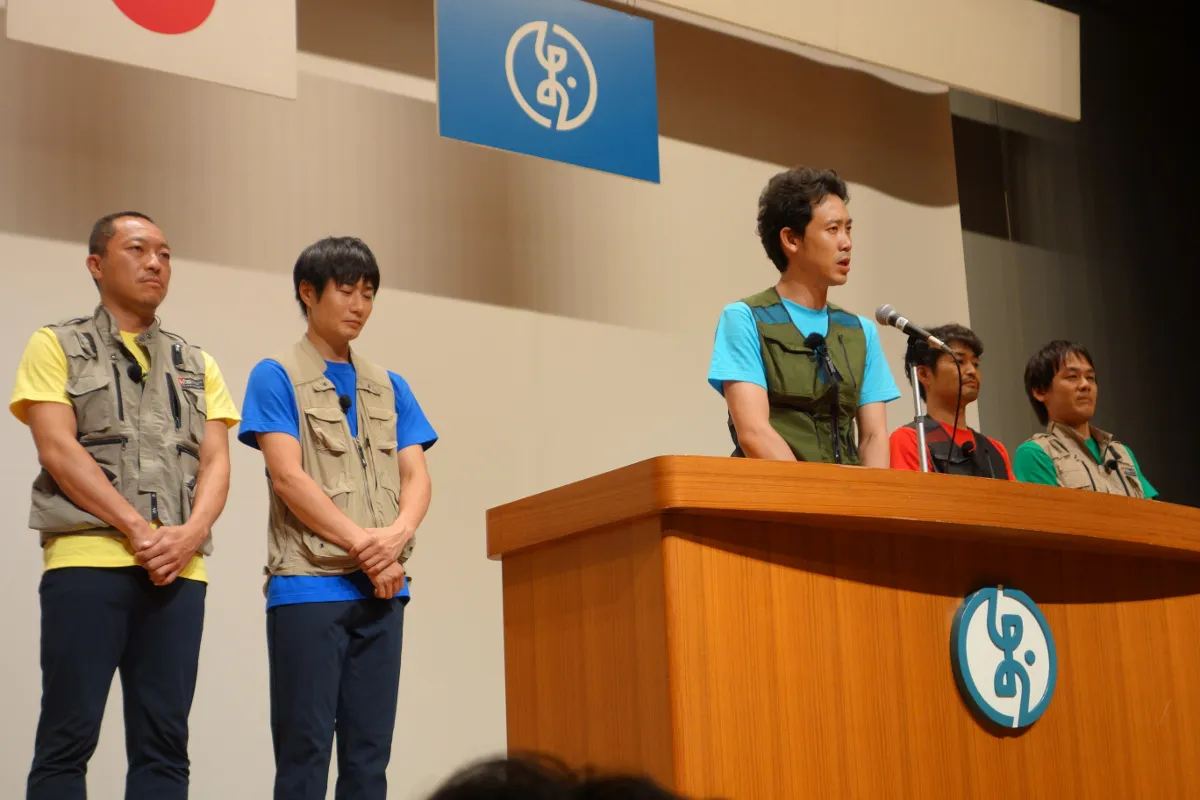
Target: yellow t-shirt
42,378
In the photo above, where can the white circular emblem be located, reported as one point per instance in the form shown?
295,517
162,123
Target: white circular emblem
550,92
1003,655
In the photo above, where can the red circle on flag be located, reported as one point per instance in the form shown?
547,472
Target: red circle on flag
167,16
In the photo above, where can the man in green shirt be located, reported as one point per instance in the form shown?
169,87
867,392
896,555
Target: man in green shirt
1060,381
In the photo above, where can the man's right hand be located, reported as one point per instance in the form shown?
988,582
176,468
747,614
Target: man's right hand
388,581
141,534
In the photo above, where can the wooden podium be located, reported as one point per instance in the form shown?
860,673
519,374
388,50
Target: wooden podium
747,629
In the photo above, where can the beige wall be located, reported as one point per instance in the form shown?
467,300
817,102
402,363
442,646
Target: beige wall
554,322
1024,52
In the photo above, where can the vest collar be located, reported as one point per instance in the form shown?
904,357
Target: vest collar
106,323
311,362
1103,438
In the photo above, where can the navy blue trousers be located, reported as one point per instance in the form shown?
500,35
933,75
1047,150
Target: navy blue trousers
97,622
335,668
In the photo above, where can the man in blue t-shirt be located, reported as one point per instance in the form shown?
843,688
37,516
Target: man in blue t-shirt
799,374
344,443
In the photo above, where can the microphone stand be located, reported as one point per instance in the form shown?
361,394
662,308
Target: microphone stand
918,406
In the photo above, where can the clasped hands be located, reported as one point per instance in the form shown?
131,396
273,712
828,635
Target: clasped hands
378,552
165,552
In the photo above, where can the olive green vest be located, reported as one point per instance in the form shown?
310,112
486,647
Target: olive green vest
799,394
1076,467
145,435
361,475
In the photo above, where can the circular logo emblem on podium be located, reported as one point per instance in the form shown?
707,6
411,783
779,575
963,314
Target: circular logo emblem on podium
167,16
1003,656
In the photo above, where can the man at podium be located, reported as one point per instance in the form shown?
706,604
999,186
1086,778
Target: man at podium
803,379
1060,381
971,453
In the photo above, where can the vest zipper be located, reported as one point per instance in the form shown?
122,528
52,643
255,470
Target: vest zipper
120,396
362,459
176,408
110,440
184,450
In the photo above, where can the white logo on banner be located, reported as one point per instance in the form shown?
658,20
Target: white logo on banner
551,93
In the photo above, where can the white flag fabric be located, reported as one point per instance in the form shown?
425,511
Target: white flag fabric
249,44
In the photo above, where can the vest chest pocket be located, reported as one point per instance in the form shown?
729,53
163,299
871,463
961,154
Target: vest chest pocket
382,422
95,403
1074,475
791,371
330,442
195,410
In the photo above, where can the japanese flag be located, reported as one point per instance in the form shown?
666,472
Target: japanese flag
250,44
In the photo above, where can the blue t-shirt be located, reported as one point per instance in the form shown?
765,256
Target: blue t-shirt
270,407
737,352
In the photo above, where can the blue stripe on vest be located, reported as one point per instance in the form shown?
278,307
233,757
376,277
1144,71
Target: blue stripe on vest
771,315
845,319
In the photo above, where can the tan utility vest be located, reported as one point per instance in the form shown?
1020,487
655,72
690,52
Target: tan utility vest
1076,467
360,475
145,435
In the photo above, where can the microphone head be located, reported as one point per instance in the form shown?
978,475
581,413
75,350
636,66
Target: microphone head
885,314
1111,464
968,449
344,402
814,341
135,373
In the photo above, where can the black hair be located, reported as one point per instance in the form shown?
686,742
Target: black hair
538,777
1044,365
104,230
346,260
923,355
788,201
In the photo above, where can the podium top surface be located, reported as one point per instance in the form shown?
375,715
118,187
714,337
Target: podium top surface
851,498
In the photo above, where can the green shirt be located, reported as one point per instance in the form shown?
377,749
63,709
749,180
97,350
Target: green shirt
1032,464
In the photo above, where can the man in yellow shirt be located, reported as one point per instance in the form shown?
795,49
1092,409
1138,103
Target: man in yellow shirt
131,426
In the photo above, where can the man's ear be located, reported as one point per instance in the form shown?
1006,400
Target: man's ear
924,375
1040,394
93,265
308,294
791,241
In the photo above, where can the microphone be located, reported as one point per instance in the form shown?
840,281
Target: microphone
968,449
816,343
344,402
135,373
887,315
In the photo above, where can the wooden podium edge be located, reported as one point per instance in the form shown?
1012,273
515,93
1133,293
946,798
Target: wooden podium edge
885,501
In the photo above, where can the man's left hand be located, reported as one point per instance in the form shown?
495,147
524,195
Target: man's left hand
382,547
170,552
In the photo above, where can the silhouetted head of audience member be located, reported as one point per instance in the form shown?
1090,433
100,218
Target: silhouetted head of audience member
544,778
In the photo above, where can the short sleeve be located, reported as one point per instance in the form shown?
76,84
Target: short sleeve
1150,491
737,352
217,400
878,384
41,375
411,425
1031,464
903,449
270,405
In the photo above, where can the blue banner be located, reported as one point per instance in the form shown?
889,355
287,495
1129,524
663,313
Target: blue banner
558,79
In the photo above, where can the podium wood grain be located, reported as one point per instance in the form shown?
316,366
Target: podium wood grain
751,630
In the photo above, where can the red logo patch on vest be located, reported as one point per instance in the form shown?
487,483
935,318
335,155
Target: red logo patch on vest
167,16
